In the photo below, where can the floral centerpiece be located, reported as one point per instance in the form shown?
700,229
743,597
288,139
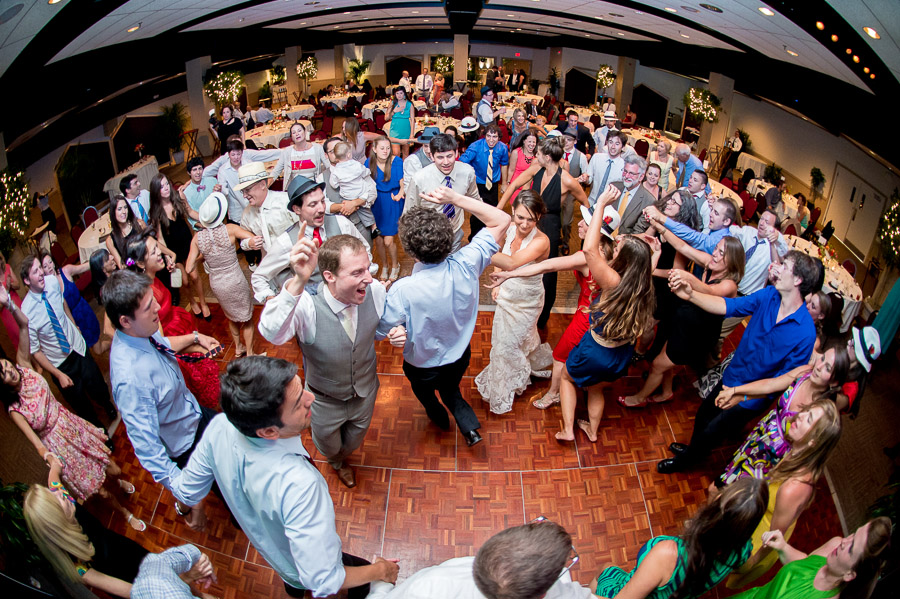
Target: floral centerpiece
703,104
605,76
139,149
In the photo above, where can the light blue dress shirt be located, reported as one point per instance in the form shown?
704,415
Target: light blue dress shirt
160,414
438,304
196,196
705,242
158,576
277,495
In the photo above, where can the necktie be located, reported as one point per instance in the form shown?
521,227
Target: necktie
142,212
602,187
752,250
623,203
57,327
183,357
448,210
681,178
568,154
317,236
347,322
489,180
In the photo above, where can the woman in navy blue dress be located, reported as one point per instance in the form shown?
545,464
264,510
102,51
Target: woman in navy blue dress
619,316
81,311
387,171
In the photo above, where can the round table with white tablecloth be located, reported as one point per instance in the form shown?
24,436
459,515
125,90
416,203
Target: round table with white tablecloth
369,110
634,135
837,279
272,134
94,238
440,122
146,168
299,111
518,97
791,203
584,113
746,161
340,101
720,190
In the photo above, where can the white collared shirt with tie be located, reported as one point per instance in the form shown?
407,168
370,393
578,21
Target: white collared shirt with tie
271,219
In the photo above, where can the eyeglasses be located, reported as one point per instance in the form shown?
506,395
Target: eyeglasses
574,556
675,201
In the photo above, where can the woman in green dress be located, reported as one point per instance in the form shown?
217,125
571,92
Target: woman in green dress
846,567
715,541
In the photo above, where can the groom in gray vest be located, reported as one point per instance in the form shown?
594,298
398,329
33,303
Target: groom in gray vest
578,167
306,200
336,330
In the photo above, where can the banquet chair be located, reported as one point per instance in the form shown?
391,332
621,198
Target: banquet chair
596,121
761,203
277,185
749,207
250,145
457,113
59,255
89,215
642,148
285,142
702,155
297,97
814,217
850,266
790,227
727,182
77,231
379,120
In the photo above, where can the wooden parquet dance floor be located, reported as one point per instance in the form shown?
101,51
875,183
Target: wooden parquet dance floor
424,497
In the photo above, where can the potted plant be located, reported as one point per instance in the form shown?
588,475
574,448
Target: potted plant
278,74
174,122
265,91
357,69
816,182
745,140
554,81
773,174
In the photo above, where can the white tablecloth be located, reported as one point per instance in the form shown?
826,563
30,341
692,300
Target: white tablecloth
518,97
300,111
746,161
635,135
435,121
368,110
263,136
720,190
584,113
340,101
836,279
146,168
791,203
94,238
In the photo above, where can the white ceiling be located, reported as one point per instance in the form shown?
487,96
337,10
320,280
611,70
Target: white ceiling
884,17
740,21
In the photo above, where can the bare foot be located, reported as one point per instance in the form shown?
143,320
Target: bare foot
563,436
661,398
204,309
633,401
586,427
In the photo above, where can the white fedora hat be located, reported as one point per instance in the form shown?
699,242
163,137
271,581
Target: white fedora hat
611,219
250,173
213,210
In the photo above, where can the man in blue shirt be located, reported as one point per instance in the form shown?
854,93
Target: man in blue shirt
686,163
780,337
281,500
490,159
438,303
721,216
162,417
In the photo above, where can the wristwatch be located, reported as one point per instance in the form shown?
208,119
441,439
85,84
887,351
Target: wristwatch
196,338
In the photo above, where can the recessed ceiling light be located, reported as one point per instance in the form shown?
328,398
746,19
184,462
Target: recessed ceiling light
53,2
359,31
820,25
872,76
685,36
766,11
620,33
241,20
689,8
849,51
834,37
791,52
518,29
337,26
303,23
391,27
711,8
313,3
135,28
872,33
347,13
638,12
510,15
669,9
426,20
587,35
866,70
855,58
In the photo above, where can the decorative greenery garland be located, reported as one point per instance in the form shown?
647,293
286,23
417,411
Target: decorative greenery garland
225,87
889,231
605,76
703,104
308,69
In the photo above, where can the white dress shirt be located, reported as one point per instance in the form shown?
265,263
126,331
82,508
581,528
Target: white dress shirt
583,162
277,496
424,83
227,176
271,219
462,178
40,330
596,170
288,315
278,257
756,270
144,200
453,579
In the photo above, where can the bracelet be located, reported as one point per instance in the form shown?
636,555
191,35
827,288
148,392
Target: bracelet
196,338
180,513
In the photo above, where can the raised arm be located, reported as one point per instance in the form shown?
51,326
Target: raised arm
604,276
520,181
495,220
23,357
706,302
574,262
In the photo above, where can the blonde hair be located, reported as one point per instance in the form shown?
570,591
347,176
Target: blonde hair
813,449
627,308
60,539
341,150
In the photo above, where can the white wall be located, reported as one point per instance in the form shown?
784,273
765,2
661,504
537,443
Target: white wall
585,59
668,84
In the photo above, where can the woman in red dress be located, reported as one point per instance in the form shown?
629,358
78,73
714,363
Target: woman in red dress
202,377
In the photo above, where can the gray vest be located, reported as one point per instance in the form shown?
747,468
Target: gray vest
331,229
574,166
424,160
327,356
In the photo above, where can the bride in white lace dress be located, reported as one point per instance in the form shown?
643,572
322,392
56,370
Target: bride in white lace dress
516,349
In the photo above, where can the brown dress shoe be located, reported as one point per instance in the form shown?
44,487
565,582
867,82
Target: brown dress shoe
345,474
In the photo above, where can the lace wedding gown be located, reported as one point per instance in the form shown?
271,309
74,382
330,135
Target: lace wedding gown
516,349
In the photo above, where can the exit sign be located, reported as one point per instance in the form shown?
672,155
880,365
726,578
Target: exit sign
518,54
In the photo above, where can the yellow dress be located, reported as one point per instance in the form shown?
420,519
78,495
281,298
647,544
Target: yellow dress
747,574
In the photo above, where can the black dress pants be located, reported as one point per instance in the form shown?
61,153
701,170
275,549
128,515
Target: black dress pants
359,592
488,196
550,224
87,384
445,380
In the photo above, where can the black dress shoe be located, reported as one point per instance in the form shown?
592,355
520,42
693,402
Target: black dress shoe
678,448
670,465
472,437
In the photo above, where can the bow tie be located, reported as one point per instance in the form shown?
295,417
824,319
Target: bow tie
201,187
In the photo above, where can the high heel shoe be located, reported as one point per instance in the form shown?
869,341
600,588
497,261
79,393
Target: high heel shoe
395,273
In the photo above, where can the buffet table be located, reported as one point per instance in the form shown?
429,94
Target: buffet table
441,122
340,100
746,161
